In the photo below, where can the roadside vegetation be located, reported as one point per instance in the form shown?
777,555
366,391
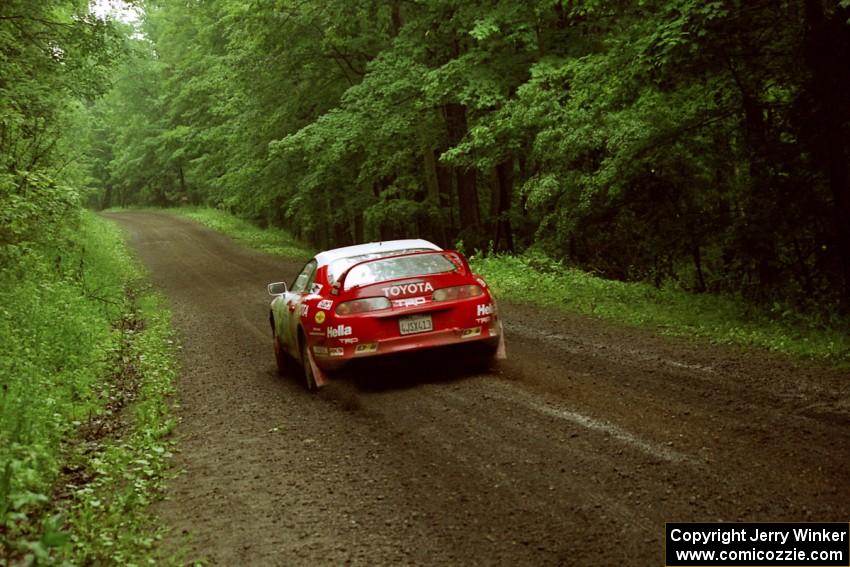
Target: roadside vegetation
536,278
87,360
271,240
665,147
86,372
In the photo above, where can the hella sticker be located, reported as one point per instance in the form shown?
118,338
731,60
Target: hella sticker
485,309
339,331
408,288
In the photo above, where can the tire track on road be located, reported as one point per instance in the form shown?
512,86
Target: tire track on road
575,451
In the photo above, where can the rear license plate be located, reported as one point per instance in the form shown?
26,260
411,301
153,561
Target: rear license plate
415,324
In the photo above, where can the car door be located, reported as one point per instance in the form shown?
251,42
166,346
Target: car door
291,308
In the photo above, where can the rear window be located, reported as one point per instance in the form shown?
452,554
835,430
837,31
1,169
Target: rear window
398,268
336,268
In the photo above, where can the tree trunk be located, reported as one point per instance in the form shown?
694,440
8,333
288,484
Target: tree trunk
697,256
342,234
182,180
523,177
429,164
467,198
432,186
359,233
827,50
107,197
466,178
760,243
446,187
395,18
505,179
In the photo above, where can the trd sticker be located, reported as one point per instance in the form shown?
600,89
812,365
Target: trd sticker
404,289
325,304
320,317
409,302
485,309
473,332
483,320
366,348
338,331
351,341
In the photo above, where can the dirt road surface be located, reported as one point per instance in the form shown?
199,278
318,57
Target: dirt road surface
574,451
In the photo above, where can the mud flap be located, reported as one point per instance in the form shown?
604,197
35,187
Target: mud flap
318,374
501,353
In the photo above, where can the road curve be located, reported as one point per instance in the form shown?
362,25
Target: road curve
575,450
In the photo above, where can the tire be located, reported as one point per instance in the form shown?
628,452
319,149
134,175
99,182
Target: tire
281,357
309,378
485,356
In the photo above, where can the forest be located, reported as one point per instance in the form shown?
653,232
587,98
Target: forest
701,144
698,146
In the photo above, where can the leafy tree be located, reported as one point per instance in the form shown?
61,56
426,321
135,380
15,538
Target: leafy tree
702,143
55,59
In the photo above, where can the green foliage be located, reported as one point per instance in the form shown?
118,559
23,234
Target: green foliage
58,344
108,518
33,208
696,144
69,493
60,301
55,56
538,279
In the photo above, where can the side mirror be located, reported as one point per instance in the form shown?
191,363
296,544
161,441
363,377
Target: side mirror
277,288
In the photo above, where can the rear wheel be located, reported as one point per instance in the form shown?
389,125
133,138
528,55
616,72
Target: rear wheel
484,355
309,377
280,357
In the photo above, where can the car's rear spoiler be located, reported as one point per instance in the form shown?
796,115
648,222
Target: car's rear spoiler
454,257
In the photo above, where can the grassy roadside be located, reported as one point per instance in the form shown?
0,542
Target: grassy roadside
270,240
85,377
542,281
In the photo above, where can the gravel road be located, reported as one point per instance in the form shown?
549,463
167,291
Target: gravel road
575,450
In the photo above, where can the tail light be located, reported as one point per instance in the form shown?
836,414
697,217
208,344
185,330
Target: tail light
457,292
362,305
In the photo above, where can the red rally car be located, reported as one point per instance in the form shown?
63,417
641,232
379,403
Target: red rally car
376,299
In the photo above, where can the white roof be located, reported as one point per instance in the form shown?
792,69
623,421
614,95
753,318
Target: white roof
329,256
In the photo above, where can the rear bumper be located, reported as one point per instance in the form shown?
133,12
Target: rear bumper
332,356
